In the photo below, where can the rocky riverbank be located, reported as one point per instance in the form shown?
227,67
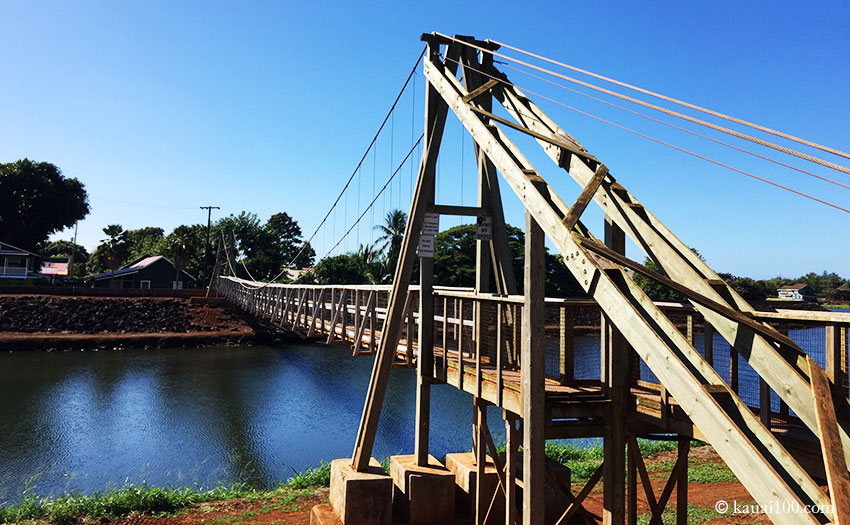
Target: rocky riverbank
44,322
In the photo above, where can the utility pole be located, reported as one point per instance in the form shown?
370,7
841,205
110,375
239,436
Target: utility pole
73,250
207,243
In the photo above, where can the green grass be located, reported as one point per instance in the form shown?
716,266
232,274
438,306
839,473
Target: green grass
160,501
583,461
696,516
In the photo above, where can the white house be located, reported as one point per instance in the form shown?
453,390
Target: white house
797,292
16,263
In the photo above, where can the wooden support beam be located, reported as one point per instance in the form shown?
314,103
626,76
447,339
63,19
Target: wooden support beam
435,119
303,300
696,297
359,332
337,312
533,375
318,305
483,88
480,447
764,465
582,495
683,448
565,343
512,442
616,376
464,211
783,368
836,468
584,197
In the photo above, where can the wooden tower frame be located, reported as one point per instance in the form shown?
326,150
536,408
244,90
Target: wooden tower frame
632,325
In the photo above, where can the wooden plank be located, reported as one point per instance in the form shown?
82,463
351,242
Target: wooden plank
582,495
572,217
318,306
358,337
337,311
512,442
301,303
533,375
463,211
836,468
475,93
436,110
565,343
499,350
696,297
480,446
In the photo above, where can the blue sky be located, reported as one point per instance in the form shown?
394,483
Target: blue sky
161,107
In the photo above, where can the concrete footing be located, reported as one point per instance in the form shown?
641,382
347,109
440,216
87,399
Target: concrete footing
462,465
361,497
422,494
323,514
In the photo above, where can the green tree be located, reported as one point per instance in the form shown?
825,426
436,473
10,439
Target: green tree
339,269
145,241
392,234
112,252
288,240
36,200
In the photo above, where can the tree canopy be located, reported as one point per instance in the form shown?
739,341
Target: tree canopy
36,200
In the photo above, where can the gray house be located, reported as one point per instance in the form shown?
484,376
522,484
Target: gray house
145,272
797,292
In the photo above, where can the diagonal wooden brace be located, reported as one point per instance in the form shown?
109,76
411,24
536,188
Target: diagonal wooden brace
584,197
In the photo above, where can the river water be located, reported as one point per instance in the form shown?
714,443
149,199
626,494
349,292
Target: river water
90,421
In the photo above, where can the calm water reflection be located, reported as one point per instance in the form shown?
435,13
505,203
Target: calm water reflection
91,420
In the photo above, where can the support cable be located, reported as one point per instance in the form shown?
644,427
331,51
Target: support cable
674,126
368,148
679,102
375,199
694,120
659,141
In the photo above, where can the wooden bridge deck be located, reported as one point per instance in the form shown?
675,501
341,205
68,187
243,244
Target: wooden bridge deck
574,407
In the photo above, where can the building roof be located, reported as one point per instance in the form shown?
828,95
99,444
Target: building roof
54,268
7,248
797,286
137,265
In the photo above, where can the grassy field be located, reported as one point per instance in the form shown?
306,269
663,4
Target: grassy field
158,501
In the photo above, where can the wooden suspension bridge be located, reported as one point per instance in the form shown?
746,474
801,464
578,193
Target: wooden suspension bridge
491,341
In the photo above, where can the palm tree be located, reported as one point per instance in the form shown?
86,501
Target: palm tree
115,246
179,238
392,234
368,260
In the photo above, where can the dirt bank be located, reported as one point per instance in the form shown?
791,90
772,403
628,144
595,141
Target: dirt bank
43,322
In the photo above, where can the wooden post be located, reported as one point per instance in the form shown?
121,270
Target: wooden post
682,483
512,442
616,376
425,362
834,366
533,376
631,476
436,110
566,345
482,500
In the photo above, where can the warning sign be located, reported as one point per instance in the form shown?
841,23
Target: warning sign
431,224
426,246
485,229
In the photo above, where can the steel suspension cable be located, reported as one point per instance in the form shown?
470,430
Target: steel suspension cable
659,141
676,114
674,126
375,199
679,102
